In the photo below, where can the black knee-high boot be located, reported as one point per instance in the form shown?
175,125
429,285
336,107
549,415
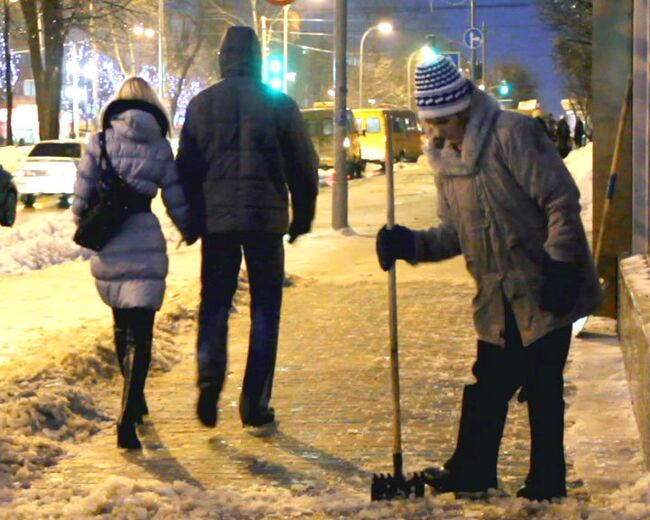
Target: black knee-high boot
120,341
474,462
136,367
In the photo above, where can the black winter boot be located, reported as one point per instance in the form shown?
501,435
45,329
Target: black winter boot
473,466
120,341
136,366
547,474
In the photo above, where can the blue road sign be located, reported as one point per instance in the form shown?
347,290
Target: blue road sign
473,37
453,56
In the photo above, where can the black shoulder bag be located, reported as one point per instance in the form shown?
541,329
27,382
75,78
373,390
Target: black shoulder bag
109,205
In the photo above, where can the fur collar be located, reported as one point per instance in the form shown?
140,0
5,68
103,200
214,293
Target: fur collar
119,106
446,161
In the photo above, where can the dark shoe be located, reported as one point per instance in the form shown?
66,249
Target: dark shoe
539,493
127,437
206,408
444,481
260,418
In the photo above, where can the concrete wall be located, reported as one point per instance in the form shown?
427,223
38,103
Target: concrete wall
612,66
634,331
641,129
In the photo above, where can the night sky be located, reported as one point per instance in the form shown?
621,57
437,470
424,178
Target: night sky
515,31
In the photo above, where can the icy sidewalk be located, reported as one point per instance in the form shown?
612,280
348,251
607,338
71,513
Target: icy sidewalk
332,399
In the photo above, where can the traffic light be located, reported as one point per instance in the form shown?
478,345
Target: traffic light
275,73
504,88
432,44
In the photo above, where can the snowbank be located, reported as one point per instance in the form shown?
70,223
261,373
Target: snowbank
41,242
580,164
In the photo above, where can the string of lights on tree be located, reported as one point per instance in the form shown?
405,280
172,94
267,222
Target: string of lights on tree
110,77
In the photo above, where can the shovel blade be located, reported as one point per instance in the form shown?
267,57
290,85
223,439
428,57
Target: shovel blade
391,487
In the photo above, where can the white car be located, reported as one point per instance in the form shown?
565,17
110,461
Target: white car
50,169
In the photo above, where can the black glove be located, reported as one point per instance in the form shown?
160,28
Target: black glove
395,243
297,228
560,287
303,214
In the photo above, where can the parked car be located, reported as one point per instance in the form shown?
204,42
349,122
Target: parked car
50,169
407,134
320,126
8,199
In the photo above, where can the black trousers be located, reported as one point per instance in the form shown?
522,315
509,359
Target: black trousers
500,372
221,260
133,336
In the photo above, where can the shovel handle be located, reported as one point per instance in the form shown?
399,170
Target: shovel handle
611,182
392,303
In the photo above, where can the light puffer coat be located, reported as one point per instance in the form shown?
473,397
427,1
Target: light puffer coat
504,203
130,270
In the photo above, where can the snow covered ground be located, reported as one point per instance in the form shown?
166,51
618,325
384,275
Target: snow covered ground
52,401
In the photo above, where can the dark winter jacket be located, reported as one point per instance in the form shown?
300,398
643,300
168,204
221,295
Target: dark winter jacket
242,145
130,270
563,138
508,203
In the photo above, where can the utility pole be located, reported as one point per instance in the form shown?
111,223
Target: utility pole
285,47
340,187
265,52
161,68
10,98
472,22
484,57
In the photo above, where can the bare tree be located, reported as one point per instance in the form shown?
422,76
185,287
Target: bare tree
47,24
522,81
572,22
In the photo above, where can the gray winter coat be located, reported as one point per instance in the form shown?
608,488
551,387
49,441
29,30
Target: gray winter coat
504,203
241,147
130,270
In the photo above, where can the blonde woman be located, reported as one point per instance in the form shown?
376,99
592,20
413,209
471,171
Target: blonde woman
130,270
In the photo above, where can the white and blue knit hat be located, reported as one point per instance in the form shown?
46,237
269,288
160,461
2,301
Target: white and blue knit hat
440,90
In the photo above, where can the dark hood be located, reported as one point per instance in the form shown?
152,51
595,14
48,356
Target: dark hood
240,53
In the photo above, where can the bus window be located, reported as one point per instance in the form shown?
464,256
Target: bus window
373,126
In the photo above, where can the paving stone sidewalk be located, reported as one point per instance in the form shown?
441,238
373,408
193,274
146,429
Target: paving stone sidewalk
331,396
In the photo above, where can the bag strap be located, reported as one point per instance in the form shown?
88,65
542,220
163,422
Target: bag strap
105,165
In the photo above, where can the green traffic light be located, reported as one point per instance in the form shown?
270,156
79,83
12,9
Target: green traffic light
275,66
504,89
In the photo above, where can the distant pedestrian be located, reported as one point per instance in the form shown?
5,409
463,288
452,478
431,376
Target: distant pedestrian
539,117
508,204
563,137
579,133
130,270
243,149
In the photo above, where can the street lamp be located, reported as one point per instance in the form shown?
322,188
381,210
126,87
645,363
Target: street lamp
426,53
383,28
149,32
10,97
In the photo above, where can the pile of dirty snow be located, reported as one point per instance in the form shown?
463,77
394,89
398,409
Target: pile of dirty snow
580,164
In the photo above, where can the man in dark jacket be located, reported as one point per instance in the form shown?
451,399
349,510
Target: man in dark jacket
508,204
242,150
579,133
563,137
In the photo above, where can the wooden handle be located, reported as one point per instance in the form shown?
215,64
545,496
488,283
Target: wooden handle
392,296
613,170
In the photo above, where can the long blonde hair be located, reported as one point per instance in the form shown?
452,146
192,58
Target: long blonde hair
137,88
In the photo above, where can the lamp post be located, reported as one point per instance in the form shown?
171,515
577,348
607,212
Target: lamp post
425,52
161,65
383,28
8,88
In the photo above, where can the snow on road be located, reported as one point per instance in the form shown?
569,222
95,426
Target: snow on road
44,412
